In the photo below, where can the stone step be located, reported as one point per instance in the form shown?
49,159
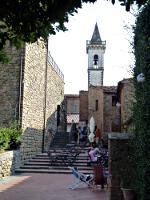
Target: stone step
53,167
67,151
49,163
51,171
71,157
48,160
42,163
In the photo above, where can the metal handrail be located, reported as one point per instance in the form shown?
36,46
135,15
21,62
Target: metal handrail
55,66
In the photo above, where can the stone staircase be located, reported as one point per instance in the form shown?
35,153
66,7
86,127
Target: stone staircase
54,161
61,139
42,163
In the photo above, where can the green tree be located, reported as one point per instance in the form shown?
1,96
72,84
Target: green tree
25,21
141,111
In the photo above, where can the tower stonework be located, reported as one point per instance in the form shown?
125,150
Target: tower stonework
95,49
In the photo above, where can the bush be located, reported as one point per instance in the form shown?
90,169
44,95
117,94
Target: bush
15,136
141,112
10,138
4,138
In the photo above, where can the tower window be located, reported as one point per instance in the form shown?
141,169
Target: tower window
95,61
96,104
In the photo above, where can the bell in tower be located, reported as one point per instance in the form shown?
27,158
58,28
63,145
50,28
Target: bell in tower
95,62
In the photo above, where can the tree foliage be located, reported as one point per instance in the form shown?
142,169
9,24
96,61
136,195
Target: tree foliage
10,137
141,111
26,21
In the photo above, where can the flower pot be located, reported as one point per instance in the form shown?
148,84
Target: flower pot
128,194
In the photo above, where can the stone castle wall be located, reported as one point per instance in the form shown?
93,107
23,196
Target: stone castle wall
33,98
32,86
54,97
10,86
43,91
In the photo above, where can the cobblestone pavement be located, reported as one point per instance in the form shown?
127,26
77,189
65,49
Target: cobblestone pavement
46,187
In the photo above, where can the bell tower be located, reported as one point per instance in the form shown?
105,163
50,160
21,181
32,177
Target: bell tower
95,49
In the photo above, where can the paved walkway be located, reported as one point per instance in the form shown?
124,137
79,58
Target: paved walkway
46,187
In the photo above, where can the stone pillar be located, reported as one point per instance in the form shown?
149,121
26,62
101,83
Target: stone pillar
118,156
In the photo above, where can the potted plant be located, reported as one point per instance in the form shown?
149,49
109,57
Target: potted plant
127,189
127,177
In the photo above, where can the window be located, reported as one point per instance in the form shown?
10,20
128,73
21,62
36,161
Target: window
114,98
96,104
58,115
95,61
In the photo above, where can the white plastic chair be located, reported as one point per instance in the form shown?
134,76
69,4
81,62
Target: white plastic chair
80,179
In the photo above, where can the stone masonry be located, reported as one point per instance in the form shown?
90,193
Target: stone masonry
10,95
105,113
9,161
111,112
119,164
32,88
43,91
95,93
83,95
126,98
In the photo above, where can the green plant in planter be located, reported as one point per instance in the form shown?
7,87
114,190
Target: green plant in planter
127,179
127,174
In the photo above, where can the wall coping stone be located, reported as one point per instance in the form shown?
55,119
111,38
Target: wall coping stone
10,153
120,136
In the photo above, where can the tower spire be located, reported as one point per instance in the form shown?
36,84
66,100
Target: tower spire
96,38
95,49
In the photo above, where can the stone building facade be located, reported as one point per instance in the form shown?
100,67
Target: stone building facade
125,96
32,88
72,103
83,114
95,105
100,102
111,112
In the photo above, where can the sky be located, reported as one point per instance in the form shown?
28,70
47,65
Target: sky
68,49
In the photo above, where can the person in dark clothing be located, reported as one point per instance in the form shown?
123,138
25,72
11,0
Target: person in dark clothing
73,132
